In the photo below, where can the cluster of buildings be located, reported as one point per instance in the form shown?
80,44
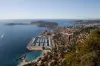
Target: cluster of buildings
58,41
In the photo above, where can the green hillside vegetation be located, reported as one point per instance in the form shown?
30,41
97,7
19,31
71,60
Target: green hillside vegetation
85,53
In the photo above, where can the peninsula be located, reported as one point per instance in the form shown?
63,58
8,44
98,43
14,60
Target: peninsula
44,24
37,23
10,24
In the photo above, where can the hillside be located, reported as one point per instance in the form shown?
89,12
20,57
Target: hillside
86,52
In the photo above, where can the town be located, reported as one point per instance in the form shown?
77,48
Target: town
56,43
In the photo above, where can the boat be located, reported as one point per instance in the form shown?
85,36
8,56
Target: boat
2,36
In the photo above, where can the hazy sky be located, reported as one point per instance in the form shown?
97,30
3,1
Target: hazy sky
49,9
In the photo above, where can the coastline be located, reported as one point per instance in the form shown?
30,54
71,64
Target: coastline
22,42
43,53
34,60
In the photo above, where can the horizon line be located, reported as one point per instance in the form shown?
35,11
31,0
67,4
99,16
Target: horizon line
53,18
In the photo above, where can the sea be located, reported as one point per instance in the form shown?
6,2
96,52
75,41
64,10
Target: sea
14,39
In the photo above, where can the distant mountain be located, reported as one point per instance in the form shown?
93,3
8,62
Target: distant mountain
45,24
16,24
38,23
86,21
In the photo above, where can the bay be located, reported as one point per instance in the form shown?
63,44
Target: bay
14,39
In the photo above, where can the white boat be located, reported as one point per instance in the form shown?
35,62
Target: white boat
2,36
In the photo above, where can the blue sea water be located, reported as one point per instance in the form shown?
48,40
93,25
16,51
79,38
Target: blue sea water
30,56
15,39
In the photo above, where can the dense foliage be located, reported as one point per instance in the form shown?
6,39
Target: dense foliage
85,53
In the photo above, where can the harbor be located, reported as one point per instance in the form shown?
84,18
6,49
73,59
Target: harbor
43,43
39,42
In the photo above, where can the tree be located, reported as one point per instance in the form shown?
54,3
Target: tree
85,53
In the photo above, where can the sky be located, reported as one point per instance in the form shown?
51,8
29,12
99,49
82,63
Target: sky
49,9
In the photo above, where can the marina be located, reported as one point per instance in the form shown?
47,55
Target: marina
40,43
37,43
